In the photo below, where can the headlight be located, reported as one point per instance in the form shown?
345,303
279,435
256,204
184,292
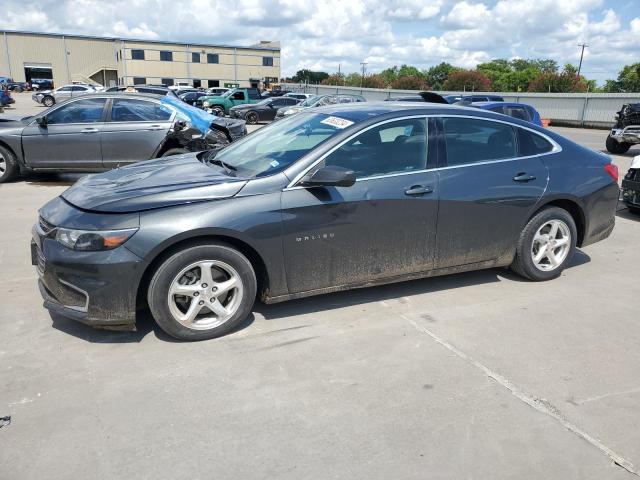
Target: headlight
205,104
92,240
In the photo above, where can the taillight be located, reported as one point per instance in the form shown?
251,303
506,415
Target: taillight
612,170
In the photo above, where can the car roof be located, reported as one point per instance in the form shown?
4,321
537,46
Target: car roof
359,112
495,103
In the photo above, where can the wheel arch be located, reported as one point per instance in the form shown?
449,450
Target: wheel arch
575,210
257,262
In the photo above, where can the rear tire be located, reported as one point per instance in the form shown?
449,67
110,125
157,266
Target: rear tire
541,254
229,272
8,165
613,146
48,101
634,210
175,151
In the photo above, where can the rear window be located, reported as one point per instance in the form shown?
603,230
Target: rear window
530,143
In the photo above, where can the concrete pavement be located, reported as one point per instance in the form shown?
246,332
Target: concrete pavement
477,375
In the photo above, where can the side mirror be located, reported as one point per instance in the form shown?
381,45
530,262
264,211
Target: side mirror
179,125
331,176
42,121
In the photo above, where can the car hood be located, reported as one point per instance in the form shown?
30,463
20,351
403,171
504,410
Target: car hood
163,182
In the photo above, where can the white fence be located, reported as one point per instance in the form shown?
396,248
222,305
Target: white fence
578,109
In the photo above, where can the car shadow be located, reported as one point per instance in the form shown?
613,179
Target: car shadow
51,179
624,212
320,303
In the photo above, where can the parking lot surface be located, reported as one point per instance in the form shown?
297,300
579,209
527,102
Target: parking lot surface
476,375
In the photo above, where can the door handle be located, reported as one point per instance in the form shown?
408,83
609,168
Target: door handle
89,130
155,127
523,177
418,190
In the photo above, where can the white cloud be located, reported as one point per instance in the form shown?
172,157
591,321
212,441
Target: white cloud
325,34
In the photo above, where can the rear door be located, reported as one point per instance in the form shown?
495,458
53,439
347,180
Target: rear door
134,131
487,189
70,139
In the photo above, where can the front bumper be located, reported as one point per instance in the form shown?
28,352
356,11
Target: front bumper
630,191
95,288
630,134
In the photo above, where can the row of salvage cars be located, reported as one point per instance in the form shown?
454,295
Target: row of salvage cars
103,130
625,134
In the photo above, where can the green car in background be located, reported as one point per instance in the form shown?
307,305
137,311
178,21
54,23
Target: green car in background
220,105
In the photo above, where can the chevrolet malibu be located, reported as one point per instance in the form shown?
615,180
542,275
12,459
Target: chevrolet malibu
331,199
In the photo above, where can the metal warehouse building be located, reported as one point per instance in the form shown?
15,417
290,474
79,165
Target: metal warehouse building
111,61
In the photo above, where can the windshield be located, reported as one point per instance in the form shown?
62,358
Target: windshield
273,148
226,94
309,101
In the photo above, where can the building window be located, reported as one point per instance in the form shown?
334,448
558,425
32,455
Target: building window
212,58
267,61
137,54
139,80
166,56
213,83
195,57
167,82
196,83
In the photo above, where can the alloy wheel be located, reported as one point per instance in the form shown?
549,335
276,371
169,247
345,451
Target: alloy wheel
3,164
551,245
205,294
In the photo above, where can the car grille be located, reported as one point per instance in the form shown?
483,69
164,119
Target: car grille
45,226
41,262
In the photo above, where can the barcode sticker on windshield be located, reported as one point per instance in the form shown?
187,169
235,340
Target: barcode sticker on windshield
337,122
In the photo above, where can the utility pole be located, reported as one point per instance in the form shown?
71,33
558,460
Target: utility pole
583,45
364,64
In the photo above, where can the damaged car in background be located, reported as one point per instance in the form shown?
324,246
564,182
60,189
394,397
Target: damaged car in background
630,192
626,131
99,132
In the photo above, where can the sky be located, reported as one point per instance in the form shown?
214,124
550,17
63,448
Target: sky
325,34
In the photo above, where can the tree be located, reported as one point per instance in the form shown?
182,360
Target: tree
409,71
629,78
389,74
410,82
335,79
468,80
438,74
305,75
352,80
566,82
373,81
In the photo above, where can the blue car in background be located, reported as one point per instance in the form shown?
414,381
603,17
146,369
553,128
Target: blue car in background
521,111
5,97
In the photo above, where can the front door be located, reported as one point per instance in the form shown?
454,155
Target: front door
69,139
486,191
134,131
381,227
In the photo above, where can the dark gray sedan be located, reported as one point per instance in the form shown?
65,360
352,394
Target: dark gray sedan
101,131
263,111
329,199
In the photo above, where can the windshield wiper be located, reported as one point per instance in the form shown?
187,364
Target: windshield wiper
226,166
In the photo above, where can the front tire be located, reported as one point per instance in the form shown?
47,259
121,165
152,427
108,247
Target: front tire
613,146
251,118
48,101
546,245
218,111
202,292
8,165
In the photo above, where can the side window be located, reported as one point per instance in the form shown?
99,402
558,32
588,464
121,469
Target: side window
518,112
254,93
498,109
291,101
238,96
470,140
394,147
64,89
82,111
531,144
79,89
131,110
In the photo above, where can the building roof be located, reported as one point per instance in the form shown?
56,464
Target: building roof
263,45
